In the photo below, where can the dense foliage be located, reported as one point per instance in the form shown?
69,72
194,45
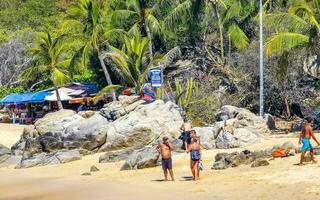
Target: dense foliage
116,42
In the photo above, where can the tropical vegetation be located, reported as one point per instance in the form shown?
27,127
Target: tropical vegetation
115,43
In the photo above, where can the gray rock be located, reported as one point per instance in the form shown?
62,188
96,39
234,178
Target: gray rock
56,122
226,140
94,169
68,156
86,114
259,163
38,160
49,143
4,150
287,145
118,155
18,148
269,120
4,157
145,158
143,126
86,174
32,146
206,135
9,161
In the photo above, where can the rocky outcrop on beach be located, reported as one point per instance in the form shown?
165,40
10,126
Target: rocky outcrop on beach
5,153
41,159
65,131
254,158
143,158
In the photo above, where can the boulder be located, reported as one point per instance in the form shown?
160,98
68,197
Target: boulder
56,122
37,160
86,114
32,146
43,158
118,155
226,140
65,156
144,158
143,126
49,143
287,145
245,136
86,174
125,105
8,160
259,163
206,135
94,169
85,133
270,121
4,150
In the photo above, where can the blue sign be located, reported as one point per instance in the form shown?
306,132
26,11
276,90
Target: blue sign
156,77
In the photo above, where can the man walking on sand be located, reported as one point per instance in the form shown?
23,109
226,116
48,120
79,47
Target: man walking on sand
305,136
186,128
165,149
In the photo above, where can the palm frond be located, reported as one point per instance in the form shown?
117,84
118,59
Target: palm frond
285,22
171,56
285,41
107,89
238,37
175,17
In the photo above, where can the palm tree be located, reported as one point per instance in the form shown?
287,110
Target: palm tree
92,16
133,63
298,28
295,29
49,55
142,16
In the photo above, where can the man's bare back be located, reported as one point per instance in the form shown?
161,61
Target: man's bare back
186,126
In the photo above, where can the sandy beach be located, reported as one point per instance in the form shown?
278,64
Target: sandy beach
282,179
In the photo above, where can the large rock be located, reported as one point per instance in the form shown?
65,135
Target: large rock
42,159
56,122
118,155
206,135
143,126
144,158
65,156
226,140
125,105
32,146
86,133
4,150
49,143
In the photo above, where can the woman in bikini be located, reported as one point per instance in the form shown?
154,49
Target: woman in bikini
195,157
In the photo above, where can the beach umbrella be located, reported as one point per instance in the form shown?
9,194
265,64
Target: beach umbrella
37,97
16,98
53,97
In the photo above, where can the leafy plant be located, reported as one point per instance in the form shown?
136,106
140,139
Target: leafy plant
183,93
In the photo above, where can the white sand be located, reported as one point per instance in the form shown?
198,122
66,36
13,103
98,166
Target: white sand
282,179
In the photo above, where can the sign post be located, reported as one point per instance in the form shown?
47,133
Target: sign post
156,77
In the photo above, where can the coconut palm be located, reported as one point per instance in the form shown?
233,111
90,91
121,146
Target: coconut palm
133,63
295,29
92,16
143,18
48,53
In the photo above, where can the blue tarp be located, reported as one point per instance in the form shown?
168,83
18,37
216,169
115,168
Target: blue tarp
16,98
19,98
37,97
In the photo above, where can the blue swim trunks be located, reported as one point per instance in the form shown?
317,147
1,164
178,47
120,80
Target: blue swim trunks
306,144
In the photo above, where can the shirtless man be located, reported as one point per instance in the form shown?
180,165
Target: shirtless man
304,138
186,138
165,149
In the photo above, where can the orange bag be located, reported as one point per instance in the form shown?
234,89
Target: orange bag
279,153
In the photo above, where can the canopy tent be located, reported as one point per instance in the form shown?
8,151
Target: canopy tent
37,97
16,98
53,96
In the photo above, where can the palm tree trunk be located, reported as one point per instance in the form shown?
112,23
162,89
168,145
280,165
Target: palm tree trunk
60,106
107,75
220,31
150,38
287,106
